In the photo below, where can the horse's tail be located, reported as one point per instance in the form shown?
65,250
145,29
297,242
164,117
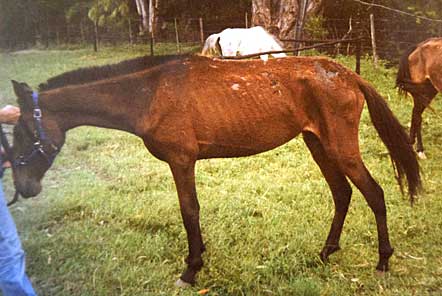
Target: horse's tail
425,91
403,77
395,138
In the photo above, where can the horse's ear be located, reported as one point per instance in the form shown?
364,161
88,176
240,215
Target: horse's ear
24,94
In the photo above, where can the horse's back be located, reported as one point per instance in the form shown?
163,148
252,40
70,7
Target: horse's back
248,41
254,106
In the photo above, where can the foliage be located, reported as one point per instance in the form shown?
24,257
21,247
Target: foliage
77,10
220,9
109,11
23,23
108,222
16,22
315,27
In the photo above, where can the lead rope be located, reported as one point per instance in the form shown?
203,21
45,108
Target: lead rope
6,157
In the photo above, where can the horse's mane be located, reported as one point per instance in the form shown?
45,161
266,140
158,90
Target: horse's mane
90,74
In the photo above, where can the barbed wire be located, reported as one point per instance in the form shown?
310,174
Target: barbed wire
398,11
394,38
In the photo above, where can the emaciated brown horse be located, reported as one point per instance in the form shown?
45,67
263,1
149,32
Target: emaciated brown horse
420,74
191,108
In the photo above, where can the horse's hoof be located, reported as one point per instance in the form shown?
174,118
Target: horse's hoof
182,284
327,251
421,155
380,273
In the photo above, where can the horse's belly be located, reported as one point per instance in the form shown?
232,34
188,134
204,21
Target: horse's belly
254,139
245,114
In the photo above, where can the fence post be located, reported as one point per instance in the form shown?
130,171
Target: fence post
131,38
57,34
201,30
82,34
177,37
96,36
300,21
48,29
68,33
373,40
358,55
151,43
96,30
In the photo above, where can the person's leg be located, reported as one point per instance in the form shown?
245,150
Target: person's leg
13,279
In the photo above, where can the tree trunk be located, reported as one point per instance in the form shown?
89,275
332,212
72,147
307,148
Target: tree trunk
279,16
148,11
142,10
151,16
300,19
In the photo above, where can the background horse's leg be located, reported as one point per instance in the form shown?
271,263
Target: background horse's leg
340,188
355,169
421,101
416,124
184,177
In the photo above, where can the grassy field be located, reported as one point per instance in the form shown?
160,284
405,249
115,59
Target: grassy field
108,222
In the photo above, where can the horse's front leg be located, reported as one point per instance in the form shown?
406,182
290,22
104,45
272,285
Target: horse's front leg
184,176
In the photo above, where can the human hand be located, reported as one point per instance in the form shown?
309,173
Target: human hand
9,114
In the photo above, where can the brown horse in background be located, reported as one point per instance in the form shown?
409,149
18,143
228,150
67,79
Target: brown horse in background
191,108
420,74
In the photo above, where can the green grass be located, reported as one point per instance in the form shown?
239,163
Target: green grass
108,222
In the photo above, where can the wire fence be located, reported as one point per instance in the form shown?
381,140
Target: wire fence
392,37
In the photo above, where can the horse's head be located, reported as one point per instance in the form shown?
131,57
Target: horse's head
37,140
229,42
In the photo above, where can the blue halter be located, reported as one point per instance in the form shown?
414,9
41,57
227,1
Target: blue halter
37,117
39,138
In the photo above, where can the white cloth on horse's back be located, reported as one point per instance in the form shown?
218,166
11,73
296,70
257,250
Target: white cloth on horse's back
233,42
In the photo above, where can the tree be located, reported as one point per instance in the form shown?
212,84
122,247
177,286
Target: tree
148,11
108,12
279,16
142,9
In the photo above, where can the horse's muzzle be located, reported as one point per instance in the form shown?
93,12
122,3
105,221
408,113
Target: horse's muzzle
28,188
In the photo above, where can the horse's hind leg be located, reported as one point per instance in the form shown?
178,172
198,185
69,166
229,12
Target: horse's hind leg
340,189
416,123
354,168
420,103
184,177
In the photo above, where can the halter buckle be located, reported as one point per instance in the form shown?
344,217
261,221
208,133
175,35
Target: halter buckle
37,113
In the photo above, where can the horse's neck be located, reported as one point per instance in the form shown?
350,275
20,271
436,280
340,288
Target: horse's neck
101,105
